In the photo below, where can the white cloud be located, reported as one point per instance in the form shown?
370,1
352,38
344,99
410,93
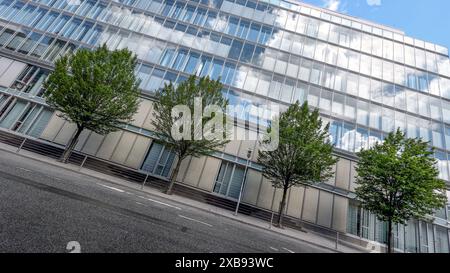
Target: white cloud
332,4
374,2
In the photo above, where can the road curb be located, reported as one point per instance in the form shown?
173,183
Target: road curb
175,201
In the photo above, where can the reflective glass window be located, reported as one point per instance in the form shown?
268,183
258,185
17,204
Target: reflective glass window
254,32
216,69
235,50
204,66
247,53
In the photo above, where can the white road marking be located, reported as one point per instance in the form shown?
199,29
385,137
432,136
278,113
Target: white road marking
274,248
25,170
111,188
194,220
290,251
139,203
158,202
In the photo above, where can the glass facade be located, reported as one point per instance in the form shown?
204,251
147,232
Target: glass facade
366,79
158,160
229,180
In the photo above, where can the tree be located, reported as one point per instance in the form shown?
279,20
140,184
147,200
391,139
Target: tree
97,90
398,180
195,95
304,155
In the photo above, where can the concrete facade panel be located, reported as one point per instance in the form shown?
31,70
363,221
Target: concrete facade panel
252,185
310,205
124,147
209,175
109,144
138,152
325,209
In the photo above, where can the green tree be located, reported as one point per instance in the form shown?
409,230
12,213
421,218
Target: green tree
188,94
97,90
304,155
398,180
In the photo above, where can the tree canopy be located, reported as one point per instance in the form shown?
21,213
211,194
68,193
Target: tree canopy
96,90
304,155
196,95
397,180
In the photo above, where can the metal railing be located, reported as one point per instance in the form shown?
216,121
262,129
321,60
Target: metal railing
83,160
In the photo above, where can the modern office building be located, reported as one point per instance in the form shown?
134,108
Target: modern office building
365,78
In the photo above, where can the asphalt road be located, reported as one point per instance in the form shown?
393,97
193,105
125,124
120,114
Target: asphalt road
46,209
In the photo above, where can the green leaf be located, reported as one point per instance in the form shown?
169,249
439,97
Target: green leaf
304,155
185,93
97,90
398,179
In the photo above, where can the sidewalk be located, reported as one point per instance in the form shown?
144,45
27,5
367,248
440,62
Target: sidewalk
308,236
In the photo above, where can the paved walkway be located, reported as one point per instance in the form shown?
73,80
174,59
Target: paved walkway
308,236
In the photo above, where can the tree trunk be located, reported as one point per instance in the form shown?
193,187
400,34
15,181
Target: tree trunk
390,237
282,205
173,177
69,148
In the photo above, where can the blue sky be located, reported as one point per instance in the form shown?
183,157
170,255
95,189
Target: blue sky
428,20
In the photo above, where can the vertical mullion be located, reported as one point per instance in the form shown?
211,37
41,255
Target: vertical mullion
41,109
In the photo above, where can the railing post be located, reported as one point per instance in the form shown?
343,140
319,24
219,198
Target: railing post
145,181
271,220
337,240
249,156
21,145
82,163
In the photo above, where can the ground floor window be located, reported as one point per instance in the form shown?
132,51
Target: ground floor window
159,160
23,116
353,219
448,205
411,235
448,211
426,238
415,236
442,240
381,232
229,180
